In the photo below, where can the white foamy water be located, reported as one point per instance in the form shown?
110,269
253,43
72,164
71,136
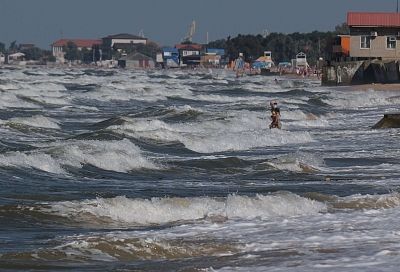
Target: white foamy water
36,121
165,210
118,156
237,132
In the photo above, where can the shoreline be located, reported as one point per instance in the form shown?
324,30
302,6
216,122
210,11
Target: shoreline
375,87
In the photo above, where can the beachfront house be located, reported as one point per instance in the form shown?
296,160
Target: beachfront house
170,57
374,35
341,48
58,47
136,60
121,42
300,62
213,57
189,54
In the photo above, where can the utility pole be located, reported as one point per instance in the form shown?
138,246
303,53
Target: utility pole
397,9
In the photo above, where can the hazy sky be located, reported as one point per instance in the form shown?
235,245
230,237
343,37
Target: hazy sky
167,21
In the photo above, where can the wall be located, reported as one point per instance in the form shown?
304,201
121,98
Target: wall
360,72
127,41
378,49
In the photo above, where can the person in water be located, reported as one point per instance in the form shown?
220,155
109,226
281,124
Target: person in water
275,115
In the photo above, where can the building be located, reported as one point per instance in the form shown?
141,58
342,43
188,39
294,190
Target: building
189,54
341,48
58,47
170,57
300,62
26,46
213,57
371,54
374,35
264,62
122,41
136,60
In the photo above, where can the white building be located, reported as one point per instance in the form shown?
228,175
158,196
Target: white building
123,41
58,47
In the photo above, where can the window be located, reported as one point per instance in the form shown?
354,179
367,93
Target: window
365,42
391,42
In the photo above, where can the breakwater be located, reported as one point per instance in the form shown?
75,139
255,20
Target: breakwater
360,72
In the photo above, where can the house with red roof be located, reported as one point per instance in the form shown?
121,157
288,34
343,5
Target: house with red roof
59,46
374,35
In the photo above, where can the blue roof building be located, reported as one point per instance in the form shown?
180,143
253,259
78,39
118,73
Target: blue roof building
170,57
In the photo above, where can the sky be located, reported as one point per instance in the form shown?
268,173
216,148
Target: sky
167,22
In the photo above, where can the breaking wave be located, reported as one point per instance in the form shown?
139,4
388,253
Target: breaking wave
118,156
168,210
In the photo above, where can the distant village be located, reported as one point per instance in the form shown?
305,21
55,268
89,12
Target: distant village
132,51
362,50
120,50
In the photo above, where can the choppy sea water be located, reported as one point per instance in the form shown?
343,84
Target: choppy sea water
177,171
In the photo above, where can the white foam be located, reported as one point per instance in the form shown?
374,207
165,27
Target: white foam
39,161
354,100
10,100
36,121
165,210
118,156
238,131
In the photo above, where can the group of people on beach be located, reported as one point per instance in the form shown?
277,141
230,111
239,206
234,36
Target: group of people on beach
275,115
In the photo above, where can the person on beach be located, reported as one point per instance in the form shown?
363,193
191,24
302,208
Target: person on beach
275,115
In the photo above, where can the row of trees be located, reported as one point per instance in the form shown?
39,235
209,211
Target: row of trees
284,47
31,53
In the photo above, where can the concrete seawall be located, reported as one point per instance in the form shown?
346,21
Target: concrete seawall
360,72
389,121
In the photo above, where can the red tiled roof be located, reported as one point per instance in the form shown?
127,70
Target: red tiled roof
373,19
78,42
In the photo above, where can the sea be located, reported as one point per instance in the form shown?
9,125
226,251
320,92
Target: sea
177,170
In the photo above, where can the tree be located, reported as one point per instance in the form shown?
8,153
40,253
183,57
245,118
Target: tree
33,53
2,47
284,47
13,46
71,52
342,29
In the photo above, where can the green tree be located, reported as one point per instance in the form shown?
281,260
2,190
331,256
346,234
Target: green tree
284,47
342,29
33,53
13,46
71,52
2,47
86,55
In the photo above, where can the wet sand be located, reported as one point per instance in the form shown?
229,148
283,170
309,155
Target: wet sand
376,87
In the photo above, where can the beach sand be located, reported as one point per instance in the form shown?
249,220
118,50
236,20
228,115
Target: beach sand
376,87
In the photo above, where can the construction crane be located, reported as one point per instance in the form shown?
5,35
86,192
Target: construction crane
141,33
192,29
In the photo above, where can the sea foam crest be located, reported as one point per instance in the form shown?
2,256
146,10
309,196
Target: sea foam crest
242,132
165,210
36,121
362,99
118,156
